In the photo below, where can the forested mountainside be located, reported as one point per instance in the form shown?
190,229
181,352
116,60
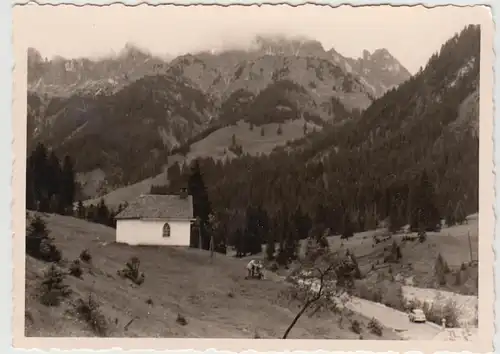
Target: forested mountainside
119,118
412,156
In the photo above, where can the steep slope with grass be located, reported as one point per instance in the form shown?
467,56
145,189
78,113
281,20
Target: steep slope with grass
183,295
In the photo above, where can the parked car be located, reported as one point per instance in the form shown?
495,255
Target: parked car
417,315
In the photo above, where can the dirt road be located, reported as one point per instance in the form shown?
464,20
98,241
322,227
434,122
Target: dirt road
391,318
394,319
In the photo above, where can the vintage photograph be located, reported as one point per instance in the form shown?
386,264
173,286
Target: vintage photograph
242,172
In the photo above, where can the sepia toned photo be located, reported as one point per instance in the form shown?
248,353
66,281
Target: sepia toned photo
253,173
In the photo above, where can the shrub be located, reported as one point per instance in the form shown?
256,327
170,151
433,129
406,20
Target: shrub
85,256
131,271
441,269
368,293
181,320
75,269
436,312
149,301
38,243
356,326
274,267
89,311
53,289
375,327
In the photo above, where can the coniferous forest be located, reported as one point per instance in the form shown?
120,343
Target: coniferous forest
51,187
403,161
409,158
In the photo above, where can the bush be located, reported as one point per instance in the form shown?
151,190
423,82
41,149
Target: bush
356,326
53,289
368,293
181,320
375,327
441,269
85,256
38,243
436,312
75,269
89,311
131,271
274,266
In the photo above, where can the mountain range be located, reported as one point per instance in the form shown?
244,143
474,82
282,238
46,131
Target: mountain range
413,153
94,109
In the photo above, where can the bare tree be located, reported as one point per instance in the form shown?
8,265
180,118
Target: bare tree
320,282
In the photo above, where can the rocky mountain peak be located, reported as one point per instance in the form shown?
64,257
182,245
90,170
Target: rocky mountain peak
288,46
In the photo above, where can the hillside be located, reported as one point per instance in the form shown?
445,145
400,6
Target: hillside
253,140
155,113
417,140
214,298
365,167
163,105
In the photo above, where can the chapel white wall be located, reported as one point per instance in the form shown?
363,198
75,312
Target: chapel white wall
150,232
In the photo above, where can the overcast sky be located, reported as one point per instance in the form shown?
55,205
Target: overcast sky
411,34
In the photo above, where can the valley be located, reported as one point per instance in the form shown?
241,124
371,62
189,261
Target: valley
287,153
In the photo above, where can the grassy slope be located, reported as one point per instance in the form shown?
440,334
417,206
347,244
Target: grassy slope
419,258
251,140
216,146
178,281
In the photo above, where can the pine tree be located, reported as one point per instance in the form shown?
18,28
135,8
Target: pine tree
40,177
103,214
424,213
201,204
68,185
348,228
441,269
54,183
53,287
80,211
38,243
450,214
459,214
270,247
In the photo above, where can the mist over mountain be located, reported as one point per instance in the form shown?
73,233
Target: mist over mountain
91,108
